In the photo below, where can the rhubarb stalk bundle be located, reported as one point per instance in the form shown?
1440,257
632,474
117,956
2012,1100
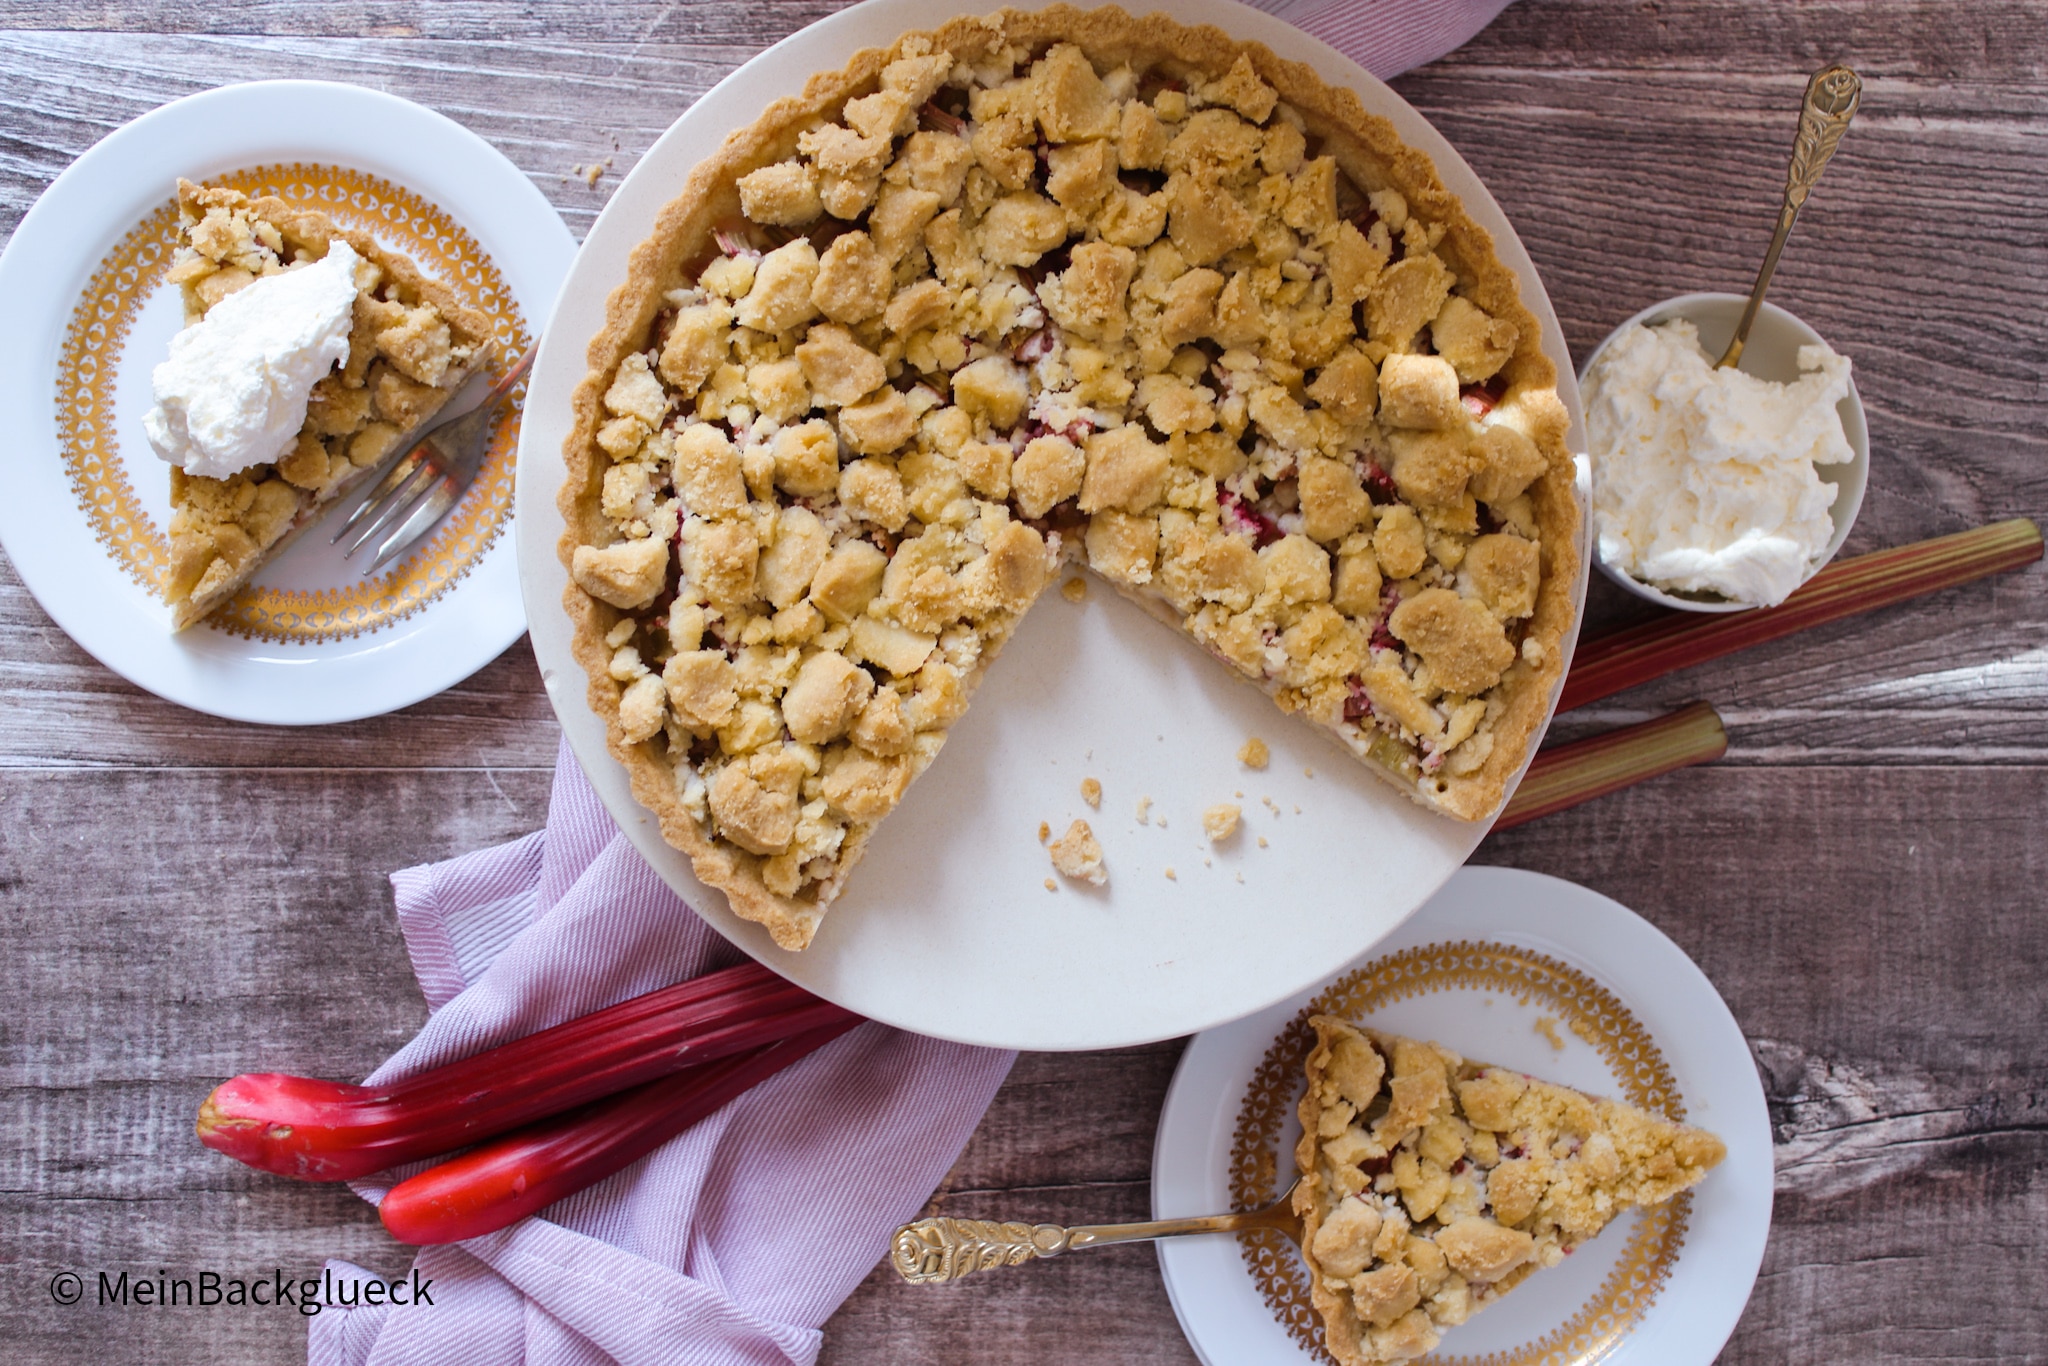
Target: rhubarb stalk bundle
523,1173
331,1131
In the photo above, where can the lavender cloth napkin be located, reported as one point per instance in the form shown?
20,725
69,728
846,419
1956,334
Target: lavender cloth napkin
733,1243
730,1244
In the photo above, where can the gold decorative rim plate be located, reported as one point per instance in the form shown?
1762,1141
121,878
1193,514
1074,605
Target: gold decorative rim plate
1527,972
95,353
1583,1006
81,284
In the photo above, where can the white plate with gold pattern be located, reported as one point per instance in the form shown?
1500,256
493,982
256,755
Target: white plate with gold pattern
82,282
1535,974
948,927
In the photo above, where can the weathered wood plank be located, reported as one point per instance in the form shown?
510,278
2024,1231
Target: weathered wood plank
1927,38
1862,877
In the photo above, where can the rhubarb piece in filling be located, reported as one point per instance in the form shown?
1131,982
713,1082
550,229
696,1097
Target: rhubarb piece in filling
1045,287
1432,1185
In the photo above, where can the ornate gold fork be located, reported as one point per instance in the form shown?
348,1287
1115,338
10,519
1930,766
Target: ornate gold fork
934,1251
428,478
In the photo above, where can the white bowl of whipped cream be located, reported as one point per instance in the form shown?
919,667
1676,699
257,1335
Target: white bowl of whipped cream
1720,490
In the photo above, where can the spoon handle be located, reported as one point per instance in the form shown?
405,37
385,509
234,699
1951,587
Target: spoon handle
934,1251
1831,99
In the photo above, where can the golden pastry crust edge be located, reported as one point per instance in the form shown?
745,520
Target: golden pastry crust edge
682,232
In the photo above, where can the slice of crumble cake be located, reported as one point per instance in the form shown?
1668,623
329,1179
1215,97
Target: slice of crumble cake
410,346
1432,1185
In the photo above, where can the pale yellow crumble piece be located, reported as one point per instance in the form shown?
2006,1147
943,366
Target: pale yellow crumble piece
1254,754
1044,832
1075,589
1051,886
1547,1027
1262,842
1078,854
1172,876
1091,793
1219,822
1144,810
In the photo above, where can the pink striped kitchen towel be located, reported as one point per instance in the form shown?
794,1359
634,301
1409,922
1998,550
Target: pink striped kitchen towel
732,1244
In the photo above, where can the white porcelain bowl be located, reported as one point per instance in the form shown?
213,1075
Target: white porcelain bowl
1772,353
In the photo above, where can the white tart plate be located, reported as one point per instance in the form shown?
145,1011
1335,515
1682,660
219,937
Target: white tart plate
1492,954
947,927
330,645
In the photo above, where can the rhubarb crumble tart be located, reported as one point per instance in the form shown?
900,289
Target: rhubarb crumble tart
1045,287
1432,1185
409,345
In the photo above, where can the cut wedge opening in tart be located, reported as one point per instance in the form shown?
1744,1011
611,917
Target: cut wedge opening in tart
1433,1185
402,348
1051,287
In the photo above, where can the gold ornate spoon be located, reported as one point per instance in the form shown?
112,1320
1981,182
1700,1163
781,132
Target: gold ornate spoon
1831,99
934,1251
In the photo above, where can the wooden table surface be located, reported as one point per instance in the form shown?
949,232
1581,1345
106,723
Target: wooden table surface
1862,877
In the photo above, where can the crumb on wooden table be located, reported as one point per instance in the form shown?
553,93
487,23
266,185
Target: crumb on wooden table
1254,754
1091,793
1074,589
592,173
1219,822
1547,1027
1078,854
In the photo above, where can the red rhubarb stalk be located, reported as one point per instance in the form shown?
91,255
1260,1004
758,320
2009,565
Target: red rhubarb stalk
1579,772
1613,662
331,1131
522,1173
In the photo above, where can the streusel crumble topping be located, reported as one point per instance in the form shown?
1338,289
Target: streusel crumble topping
1014,304
1432,1185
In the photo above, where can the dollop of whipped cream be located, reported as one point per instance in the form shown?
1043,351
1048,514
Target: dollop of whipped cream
1704,479
233,392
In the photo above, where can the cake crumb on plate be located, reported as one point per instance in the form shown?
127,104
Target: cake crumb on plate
1078,854
1547,1027
1144,810
1254,754
1074,589
1091,793
1220,821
